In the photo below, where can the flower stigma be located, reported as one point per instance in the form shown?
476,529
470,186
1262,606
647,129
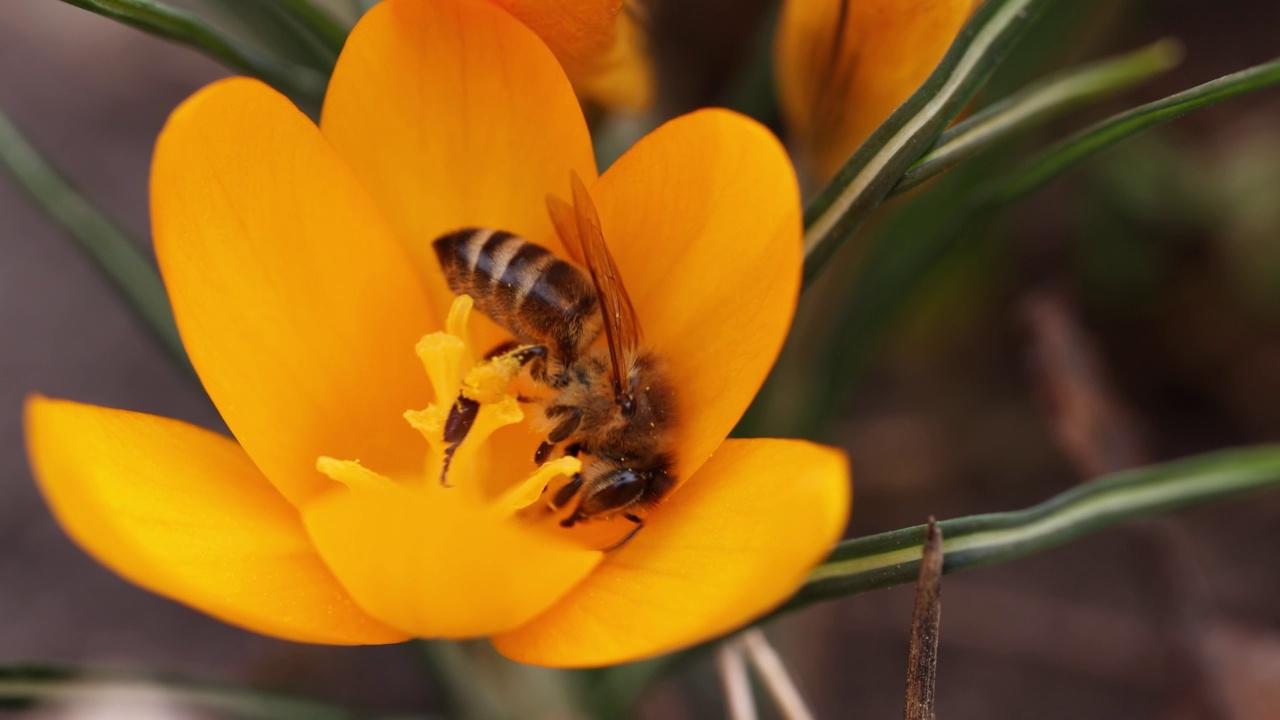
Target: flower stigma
455,374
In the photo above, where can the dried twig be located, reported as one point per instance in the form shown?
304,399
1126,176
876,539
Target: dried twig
922,660
740,703
1099,433
1091,424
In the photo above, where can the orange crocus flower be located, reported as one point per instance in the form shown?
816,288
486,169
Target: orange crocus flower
843,66
600,44
299,265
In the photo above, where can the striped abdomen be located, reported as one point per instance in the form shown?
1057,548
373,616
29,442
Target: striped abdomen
522,287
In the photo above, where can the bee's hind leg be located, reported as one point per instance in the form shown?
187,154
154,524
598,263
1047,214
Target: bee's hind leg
464,411
501,348
528,353
461,417
533,356
523,354
564,495
639,521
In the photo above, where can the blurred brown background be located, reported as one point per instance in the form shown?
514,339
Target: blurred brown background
1162,257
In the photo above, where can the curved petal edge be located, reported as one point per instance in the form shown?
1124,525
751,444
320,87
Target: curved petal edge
721,552
703,217
184,513
298,306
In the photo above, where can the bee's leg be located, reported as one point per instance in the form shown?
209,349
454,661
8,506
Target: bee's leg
463,413
535,357
501,348
567,426
524,354
461,417
564,495
639,521
529,353
572,450
559,433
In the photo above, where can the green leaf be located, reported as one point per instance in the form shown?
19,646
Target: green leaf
897,264
1045,100
121,259
305,85
866,179
29,685
1089,142
752,92
274,27
296,30
319,21
893,558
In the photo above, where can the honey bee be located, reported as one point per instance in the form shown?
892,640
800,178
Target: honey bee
613,403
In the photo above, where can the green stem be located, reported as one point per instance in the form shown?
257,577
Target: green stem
281,27
122,260
304,85
319,22
895,265
1086,143
893,558
469,693
483,685
1043,101
25,685
866,179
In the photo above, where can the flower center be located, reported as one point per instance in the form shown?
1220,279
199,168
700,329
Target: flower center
482,386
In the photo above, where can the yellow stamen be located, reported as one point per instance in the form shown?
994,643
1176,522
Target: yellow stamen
527,493
449,361
458,324
488,381
349,472
429,422
455,374
444,357
470,460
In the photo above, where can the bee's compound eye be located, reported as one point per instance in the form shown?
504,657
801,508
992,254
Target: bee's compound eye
616,490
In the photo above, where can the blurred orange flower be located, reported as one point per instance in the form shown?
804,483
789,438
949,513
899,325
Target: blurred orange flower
600,44
843,66
299,265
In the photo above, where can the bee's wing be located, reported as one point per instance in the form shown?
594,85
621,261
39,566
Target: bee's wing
562,216
579,227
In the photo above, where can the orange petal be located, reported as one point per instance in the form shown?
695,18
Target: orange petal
184,513
703,218
599,43
838,81
296,303
454,114
433,562
720,552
